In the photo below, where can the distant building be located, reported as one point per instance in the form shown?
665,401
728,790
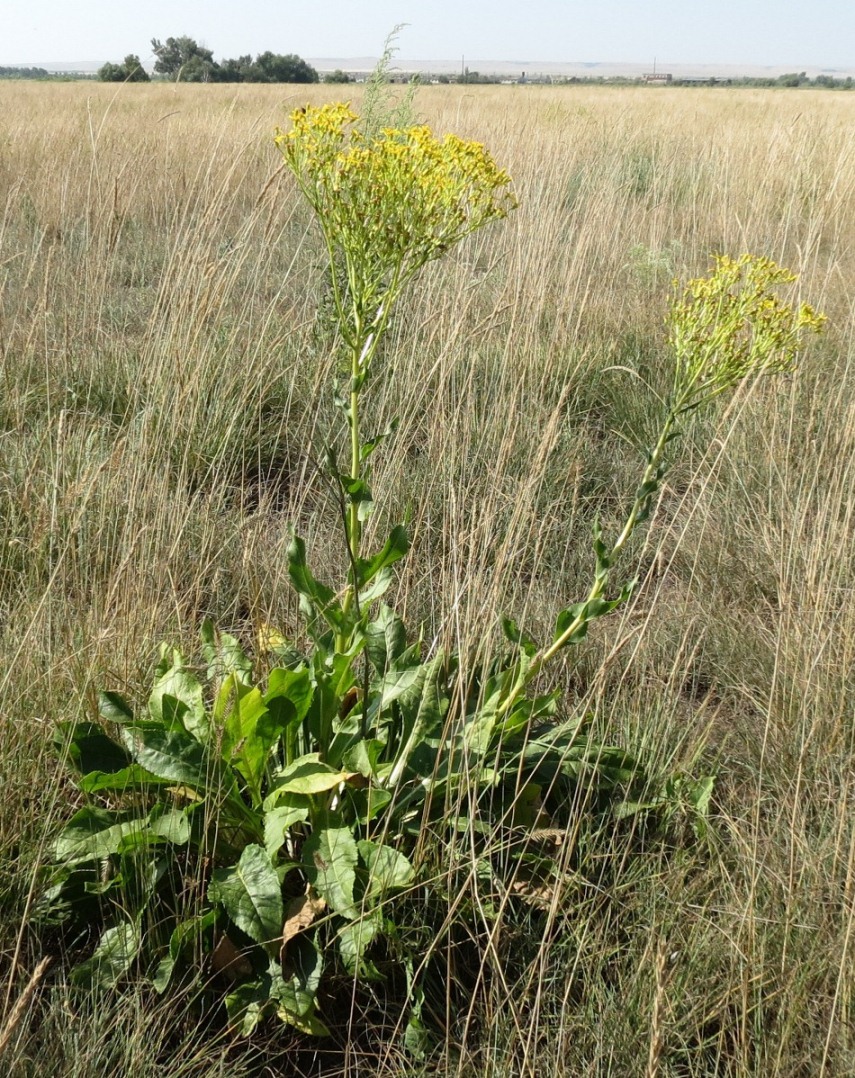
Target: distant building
658,77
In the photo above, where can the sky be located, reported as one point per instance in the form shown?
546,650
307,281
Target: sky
792,33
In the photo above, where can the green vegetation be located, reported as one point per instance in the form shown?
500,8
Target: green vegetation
182,58
23,73
555,884
130,70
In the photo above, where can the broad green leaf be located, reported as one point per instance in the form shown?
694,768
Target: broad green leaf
172,825
114,708
129,778
354,939
528,710
388,870
517,636
385,639
317,598
416,1039
362,757
424,714
307,775
247,1004
289,694
246,740
309,1024
224,655
168,754
250,894
398,683
89,749
186,933
93,833
370,444
279,820
395,547
368,802
478,731
700,793
176,701
329,859
376,589
116,950
296,986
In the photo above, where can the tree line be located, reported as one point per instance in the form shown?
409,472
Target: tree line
182,58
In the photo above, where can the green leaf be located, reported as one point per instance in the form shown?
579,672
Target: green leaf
368,446
114,708
289,694
116,950
416,1039
168,754
129,778
246,738
361,758
566,618
172,825
425,709
224,655
89,749
385,639
296,988
93,833
186,933
368,802
376,589
176,702
330,857
354,939
317,599
247,1004
307,775
250,894
279,820
309,1024
388,870
517,636
395,547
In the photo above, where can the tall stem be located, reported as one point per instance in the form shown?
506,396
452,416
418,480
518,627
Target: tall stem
601,580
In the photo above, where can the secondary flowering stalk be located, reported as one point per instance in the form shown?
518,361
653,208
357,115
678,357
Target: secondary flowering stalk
723,328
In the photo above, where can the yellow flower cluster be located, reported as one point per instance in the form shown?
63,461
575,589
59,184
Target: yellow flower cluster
394,202
730,324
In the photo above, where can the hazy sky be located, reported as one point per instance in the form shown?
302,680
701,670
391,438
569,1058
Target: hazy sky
794,33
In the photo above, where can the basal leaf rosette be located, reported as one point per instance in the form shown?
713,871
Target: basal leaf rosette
394,202
731,324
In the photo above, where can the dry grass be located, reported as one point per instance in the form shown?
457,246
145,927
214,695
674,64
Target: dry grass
165,391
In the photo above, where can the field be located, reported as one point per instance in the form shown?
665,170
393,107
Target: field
166,365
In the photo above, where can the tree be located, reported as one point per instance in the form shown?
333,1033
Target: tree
337,76
136,72
130,70
272,67
183,58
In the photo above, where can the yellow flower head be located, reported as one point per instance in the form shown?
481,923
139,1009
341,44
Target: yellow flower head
394,202
731,324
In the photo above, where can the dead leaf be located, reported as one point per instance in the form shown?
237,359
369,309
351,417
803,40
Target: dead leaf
299,915
228,960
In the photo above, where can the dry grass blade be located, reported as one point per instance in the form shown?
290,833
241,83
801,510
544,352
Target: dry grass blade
21,1003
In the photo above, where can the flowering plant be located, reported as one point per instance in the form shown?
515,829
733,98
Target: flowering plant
264,830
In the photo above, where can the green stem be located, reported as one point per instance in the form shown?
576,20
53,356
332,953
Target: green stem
602,578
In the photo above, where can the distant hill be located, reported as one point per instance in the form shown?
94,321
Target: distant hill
65,67
362,65
578,69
